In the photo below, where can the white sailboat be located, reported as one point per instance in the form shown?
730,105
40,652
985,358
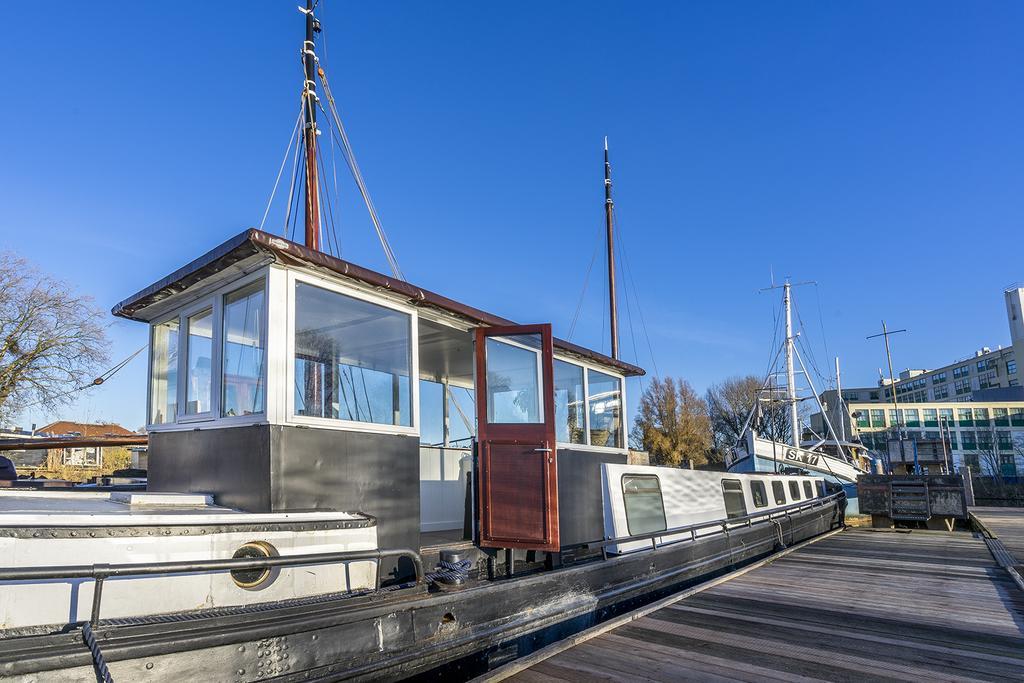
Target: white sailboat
830,456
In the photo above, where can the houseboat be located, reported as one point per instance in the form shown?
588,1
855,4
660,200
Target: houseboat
352,477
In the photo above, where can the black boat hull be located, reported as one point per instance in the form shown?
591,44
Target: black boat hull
403,634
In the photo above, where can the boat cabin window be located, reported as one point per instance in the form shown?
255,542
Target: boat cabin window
808,489
645,509
604,399
242,352
163,381
570,403
514,380
758,493
353,358
735,504
779,491
199,369
794,490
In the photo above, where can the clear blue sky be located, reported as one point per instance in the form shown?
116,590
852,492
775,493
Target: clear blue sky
873,147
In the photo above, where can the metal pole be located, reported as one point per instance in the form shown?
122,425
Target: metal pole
310,131
943,422
608,215
892,388
794,418
842,412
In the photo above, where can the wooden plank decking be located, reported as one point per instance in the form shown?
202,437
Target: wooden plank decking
1007,524
858,606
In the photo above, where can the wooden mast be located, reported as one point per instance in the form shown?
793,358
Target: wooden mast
310,131
609,206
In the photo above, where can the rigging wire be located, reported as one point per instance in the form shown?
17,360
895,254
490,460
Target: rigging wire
292,195
628,269
284,161
350,159
586,281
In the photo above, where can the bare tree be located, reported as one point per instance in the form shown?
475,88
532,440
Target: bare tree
730,404
672,423
51,340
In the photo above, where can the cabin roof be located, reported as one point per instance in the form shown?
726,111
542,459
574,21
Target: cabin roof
255,244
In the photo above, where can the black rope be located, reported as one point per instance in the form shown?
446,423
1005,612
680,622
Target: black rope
450,572
98,662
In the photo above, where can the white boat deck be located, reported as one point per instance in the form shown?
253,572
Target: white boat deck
19,508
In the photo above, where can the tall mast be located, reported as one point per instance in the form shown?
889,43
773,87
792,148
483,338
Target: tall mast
613,316
794,418
842,412
310,131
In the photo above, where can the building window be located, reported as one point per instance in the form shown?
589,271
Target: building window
863,420
962,386
951,440
940,392
985,440
570,403
988,379
895,418
1007,466
732,492
353,361
931,417
912,418
794,490
1011,367
1004,440
604,402
946,415
964,417
779,492
645,509
962,371
163,382
878,417
873,395
758,494
938,378
973,462
981,417
91,456
968,440
1017,417
242,351
199,370
1001,416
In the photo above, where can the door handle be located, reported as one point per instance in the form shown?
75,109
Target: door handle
541,450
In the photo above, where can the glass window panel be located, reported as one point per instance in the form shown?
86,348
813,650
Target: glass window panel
732,492
243,355
570,403
431,413
199,371
794,490
605,405
758,494
645,509
779,491
163,383
808,491
513,381
353,358
461,411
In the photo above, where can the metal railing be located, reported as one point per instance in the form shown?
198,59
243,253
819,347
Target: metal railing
725,524
100,572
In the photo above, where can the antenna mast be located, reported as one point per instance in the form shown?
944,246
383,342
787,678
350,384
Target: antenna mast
310,131
794,418
609,205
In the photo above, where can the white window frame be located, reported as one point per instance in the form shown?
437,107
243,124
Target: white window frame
586,408
290,418
215,302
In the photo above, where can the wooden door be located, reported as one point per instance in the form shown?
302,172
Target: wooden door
517,502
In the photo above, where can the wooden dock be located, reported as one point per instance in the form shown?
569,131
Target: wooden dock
857,606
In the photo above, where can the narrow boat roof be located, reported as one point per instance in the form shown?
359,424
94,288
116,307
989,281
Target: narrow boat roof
258,247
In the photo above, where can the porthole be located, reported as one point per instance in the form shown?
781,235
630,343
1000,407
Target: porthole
258,576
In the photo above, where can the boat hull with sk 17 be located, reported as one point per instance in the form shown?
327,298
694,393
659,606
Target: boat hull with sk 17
353,477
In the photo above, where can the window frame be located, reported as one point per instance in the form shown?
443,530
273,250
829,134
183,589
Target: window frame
289,417
764,493
808,489
794,490
740,491
214,300
661,495
586,408
778,486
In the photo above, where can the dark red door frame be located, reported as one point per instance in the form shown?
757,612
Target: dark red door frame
517,501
